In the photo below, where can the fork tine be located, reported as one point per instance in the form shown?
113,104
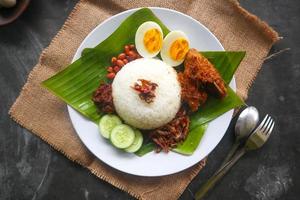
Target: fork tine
271,129
267,124
261,123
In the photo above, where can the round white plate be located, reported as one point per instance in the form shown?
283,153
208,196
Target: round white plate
152,164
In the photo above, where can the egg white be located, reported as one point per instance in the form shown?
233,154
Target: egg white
139,38
165,50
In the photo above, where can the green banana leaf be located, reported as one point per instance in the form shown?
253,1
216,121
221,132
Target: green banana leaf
191,143
76,83
214,108
146,148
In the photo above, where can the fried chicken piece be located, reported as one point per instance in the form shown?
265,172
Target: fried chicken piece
198,68
191,93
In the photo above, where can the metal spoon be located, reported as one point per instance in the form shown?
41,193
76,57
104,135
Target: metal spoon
255,141
245,124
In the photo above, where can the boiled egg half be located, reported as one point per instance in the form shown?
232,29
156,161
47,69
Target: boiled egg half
175,46
148,39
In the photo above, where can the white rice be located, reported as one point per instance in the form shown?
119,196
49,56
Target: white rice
135,111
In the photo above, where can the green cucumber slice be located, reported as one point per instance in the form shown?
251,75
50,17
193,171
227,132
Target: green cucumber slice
107,124
122,136
137,143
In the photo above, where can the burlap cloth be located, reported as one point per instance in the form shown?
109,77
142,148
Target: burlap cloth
46,116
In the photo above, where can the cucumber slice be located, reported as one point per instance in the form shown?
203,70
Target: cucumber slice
107,124
137,143
122,136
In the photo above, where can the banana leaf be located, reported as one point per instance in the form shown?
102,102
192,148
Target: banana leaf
146,148
191,143
76,83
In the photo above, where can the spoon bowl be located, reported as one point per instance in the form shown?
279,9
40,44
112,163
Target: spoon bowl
246,122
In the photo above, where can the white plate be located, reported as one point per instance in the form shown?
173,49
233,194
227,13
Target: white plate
152,164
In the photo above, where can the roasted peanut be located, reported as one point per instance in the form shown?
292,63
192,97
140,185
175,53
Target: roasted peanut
126,48
116,69
132,54
111,75
110,69
129,58
125,61
120,63
127,51
122,56
113,60
132,47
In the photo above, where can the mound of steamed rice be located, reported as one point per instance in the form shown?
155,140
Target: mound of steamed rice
135,111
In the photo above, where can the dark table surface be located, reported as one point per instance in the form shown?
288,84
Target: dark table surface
31,169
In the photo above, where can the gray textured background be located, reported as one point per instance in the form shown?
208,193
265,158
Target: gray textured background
30,169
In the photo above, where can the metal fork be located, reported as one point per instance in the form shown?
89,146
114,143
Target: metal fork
256,140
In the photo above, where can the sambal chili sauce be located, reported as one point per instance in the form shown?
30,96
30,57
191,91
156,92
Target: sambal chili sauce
146,90
103,99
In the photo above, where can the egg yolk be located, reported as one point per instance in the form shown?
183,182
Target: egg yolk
153,40
179,48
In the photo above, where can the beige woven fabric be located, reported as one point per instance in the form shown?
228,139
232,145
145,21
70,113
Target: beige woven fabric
46,116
